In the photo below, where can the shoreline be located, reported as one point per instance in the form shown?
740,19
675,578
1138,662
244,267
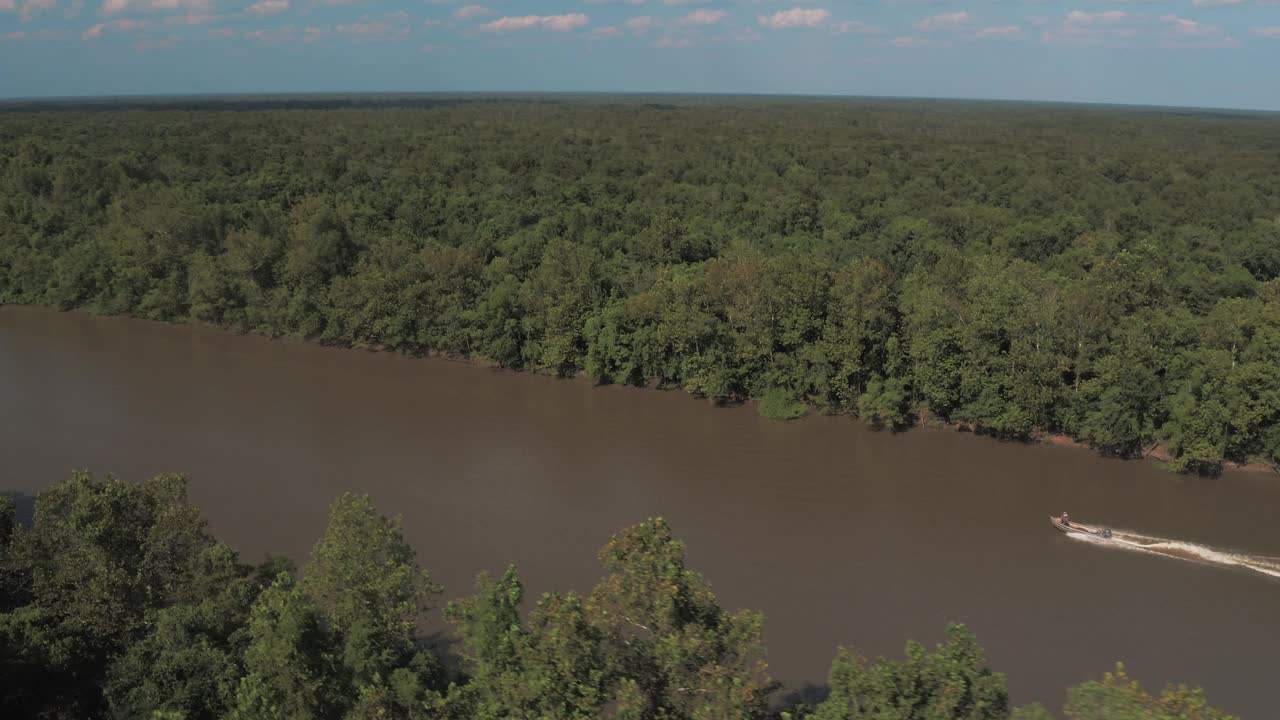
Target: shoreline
1155,453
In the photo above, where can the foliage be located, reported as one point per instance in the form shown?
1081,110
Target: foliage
1034,711
778,404
951,682
1106,274
163,622
1118,697
678,653
8,521
289,668
98,560
553,667
365,583
189,662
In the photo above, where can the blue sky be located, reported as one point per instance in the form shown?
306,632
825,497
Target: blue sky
1210,53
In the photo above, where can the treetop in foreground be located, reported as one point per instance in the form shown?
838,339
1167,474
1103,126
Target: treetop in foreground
164,622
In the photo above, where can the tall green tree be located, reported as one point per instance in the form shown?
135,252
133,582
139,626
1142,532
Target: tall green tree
190,660
291,665
8,519
99,558
951,683
365,583
677,653
553,667
1119,697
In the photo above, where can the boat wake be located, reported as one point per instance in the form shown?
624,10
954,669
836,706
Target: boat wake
1179,550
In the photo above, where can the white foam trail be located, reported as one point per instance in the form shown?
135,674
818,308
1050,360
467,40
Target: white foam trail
1179,550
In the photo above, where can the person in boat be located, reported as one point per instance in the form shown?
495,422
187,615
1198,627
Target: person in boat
1066,521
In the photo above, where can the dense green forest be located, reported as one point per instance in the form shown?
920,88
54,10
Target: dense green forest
1104,273
115,602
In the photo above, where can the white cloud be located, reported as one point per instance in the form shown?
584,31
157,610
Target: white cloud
1121,29
1085,28
641,25
1075,35
31,8
192,19
368,30
704,17
467,12
673,42
605,32
908,41
271,36
1110,17
1217,3
166,43
34,35
62,34
1181,32
547,22
795,17
945,21
854,27
121,25
1268,31
565,22
1182,26
9,5
111,7
268,7
999,31
114,6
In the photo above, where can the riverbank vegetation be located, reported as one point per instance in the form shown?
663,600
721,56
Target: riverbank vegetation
115,602
1107,274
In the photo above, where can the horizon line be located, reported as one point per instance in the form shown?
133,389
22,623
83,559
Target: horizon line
55,99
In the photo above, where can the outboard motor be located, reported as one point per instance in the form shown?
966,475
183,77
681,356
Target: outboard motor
1106,533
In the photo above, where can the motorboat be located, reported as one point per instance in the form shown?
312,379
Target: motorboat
1071,526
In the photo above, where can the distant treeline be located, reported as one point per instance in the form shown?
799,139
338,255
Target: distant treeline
240,103
115,602
1107,274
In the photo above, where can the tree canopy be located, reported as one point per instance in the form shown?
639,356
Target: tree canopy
1108,274
116,603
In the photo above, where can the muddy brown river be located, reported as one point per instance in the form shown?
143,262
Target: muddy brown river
840,534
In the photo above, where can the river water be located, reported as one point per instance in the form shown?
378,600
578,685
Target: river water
840,534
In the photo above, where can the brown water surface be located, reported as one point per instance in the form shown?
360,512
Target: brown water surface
841,535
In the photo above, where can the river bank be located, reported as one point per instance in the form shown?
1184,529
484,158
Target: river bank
1157,453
